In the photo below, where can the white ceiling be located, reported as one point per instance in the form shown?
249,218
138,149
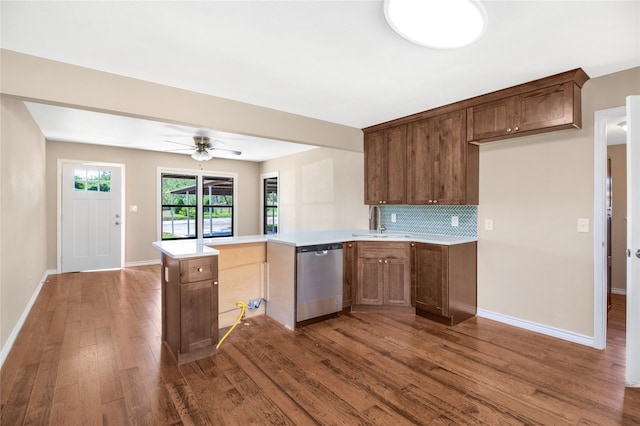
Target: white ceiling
337,61
74,125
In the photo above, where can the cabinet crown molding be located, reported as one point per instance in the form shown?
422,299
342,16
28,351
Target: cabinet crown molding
577,76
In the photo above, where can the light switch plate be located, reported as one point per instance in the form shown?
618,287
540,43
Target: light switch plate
583,225
488,224
133,208
393,217
454,221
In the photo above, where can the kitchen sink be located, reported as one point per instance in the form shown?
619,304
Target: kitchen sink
386,235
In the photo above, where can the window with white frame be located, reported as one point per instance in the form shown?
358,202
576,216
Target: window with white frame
198,205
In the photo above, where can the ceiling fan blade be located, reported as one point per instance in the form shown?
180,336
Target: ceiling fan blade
231,151
180,143
178,150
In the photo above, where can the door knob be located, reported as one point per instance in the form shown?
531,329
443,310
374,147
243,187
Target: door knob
117,215
638,254
117,222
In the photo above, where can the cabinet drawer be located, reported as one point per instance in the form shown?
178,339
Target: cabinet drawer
193,270
387,250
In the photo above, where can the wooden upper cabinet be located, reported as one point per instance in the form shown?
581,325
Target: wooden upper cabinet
549,104
441,167
385,168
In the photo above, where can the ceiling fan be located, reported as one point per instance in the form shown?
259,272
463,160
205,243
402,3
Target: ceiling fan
204,147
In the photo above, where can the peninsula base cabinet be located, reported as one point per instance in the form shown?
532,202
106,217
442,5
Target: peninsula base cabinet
444,281
190,306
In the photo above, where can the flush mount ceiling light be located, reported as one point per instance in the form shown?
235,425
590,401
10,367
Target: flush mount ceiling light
441,24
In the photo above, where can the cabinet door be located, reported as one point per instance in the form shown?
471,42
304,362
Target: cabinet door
385,169
431,276
396,151
421,155
370,281
449,168
397,282
544,108
198,315
490,120
375,170
349,273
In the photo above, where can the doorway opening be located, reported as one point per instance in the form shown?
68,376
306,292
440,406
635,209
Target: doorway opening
603,119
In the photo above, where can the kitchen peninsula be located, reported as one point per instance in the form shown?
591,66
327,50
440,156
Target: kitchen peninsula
438,273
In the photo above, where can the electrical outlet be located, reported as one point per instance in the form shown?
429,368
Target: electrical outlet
394,218
488,224
454,221
254,303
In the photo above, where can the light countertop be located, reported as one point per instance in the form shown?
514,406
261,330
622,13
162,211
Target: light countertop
179,249
195,248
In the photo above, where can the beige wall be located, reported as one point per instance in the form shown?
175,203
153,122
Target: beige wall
22,213
320,189
534,265
141,178
618,155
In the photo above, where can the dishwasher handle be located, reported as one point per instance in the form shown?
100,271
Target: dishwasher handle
322,252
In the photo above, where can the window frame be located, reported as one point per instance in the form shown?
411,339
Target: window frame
199,175
263,205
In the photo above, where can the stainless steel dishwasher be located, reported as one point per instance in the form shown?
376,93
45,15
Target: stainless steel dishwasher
318,281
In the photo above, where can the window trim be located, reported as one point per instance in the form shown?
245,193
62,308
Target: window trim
199,174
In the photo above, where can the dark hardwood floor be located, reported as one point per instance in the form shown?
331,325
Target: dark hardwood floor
90,354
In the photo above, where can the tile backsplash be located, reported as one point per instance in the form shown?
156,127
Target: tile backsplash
434,220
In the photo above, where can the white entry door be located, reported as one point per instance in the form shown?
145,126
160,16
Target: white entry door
633,241
91,233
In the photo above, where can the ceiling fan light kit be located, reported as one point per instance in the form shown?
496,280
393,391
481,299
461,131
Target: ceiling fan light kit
439,24
201,154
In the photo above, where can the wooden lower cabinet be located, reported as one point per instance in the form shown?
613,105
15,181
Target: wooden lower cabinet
444,281
349,261
190,306
383,274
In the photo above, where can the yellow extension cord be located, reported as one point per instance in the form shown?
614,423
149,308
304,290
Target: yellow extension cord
241,305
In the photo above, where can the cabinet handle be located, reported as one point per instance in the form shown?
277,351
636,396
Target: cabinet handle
413,244
435,201
379,260
349,245
386,261
516,128
200,269
509,130
215,283
380,202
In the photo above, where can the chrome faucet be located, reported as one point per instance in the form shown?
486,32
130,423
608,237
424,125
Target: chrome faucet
375,222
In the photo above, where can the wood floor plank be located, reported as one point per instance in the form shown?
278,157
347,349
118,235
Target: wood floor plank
90,353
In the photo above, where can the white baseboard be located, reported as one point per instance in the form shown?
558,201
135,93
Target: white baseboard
538,328
622,291
14,334
142,263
